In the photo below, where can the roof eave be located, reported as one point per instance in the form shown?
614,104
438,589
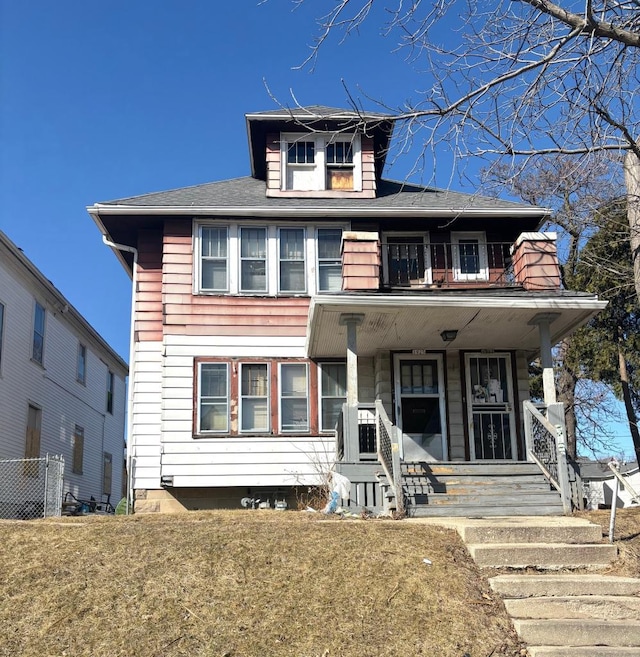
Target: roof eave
342,211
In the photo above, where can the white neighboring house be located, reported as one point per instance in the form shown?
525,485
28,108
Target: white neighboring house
62,388
599,483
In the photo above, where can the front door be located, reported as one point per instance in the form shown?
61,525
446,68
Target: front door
419,400
492,433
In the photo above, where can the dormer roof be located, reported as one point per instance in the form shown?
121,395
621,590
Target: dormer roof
316,118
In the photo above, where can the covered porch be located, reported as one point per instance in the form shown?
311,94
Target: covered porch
439,378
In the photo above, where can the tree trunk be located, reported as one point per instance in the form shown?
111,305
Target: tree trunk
567,395
626,396
632,182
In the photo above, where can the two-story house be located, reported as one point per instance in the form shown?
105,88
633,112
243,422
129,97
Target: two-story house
315,315
62,388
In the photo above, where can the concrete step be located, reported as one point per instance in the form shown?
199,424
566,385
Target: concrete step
582,651
580,632
566,530
486,499
542,555
580,606
482,510
523,586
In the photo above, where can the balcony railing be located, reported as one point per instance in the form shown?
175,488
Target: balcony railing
463,263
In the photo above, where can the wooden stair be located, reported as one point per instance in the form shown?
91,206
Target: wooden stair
481,489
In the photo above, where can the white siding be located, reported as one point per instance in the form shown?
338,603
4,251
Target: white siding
52,387
146,425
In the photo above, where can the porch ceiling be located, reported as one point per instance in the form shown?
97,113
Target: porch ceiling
405,323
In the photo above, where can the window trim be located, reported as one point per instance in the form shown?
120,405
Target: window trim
198,400
36,333
321,141
458,275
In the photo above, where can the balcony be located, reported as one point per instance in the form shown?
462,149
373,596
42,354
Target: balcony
467,262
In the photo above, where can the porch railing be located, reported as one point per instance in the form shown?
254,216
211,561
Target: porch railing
446,264
545,441
389,454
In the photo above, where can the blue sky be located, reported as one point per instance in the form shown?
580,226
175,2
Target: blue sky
103,100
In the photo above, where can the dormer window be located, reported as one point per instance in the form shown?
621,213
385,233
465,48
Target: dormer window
321,162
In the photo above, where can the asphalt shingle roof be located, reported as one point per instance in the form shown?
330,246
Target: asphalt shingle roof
250,193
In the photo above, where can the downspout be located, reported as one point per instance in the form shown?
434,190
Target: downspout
132,353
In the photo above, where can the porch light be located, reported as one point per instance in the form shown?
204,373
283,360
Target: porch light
449,335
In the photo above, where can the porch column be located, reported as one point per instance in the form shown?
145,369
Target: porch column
351,438
543,322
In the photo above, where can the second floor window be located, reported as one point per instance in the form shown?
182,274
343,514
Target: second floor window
39,320
110,391
268,259
81,370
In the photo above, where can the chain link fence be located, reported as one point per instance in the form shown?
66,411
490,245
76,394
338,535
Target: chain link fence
31,488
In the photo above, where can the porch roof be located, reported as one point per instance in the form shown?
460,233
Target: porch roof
482,320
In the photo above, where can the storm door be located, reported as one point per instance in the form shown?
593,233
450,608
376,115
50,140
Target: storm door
419,400
492,434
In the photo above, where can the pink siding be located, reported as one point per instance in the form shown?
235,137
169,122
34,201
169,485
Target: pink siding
148,320
189,314
535,262
360,261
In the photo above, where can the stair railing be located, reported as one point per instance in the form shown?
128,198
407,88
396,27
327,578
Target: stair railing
546,447
389,454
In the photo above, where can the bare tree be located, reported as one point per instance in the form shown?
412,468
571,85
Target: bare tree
514,79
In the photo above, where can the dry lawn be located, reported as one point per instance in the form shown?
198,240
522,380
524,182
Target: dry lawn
243,584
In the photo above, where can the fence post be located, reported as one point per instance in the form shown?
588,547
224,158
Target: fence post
555,415
46,486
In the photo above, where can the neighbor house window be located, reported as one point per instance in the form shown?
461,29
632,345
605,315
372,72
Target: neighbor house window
294,397
321,162
292,274
253,259
214,248
78,450
81,368
254,397
333,393
1,332
329,259
107,470
213,405
39,318
111,380
469,256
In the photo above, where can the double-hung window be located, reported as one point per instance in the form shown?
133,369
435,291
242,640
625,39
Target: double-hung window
39,320
329,259
253,259
254,397
333,393
292,274
294,402
214,248
469,256
213,410
321,162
